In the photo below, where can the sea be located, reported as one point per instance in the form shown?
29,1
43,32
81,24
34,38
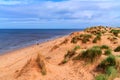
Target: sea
11,39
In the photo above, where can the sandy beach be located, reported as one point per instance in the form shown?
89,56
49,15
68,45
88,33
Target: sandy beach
22,64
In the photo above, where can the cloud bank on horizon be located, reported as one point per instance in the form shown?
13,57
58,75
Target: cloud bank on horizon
58,13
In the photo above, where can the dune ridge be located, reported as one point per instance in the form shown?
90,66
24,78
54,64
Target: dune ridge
62,59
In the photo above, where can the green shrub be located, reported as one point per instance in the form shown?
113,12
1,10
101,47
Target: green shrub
77,47
70,54
64,61
85,37
117,49
67,56
115,32
77,57
96,47
91,55
74,39
101,77
104,47
109,61
108,52
98,37
111,72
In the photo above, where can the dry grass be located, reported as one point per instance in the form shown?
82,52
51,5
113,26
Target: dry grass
41,64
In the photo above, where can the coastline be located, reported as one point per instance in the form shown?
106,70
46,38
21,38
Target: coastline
28,63
32,45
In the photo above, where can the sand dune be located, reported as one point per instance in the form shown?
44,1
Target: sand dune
41,61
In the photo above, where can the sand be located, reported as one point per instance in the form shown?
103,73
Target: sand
21,64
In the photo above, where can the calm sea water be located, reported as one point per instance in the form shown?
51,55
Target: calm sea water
11,39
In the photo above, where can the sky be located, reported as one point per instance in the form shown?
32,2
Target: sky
65,14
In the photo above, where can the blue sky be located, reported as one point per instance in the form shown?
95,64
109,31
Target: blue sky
58,13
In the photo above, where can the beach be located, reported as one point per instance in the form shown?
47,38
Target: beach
44,61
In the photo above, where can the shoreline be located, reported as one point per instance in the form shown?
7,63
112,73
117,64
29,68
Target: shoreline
32,45
8,47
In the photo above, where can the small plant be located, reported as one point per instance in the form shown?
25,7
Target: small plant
74,39
98,37
104,47
84,37
117,49
96,47
108,52
64,61
111,72
115,32
70,54
90,55
77,47
109,61
101,77
41,65
118,63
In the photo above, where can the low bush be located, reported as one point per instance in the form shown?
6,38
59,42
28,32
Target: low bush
98,37
104,47
74,39
84,37
108,52
90,55
117,49
111,72
101,77
77,47
69,55
109,61
115,32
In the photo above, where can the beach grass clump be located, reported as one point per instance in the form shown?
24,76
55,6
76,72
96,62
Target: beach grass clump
109,61
118,63
84,37
75,39
96,30
104,47
101,77
109,68
117,49
108,52
96,47
76,47
41,65
90,55
115,32
97,38
69,55
111,72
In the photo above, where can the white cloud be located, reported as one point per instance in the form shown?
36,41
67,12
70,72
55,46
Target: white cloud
71,10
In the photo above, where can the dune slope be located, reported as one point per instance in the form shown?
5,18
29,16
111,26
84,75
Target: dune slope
56,59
